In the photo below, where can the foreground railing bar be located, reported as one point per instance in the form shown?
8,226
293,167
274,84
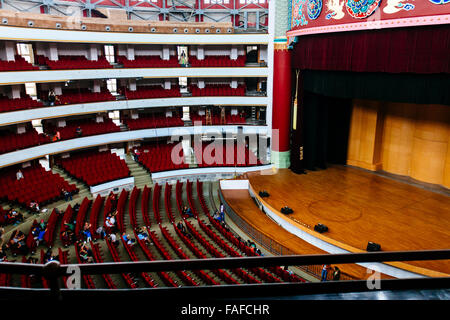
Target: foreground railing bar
242,291
229,263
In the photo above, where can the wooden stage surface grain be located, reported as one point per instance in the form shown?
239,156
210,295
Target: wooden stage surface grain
357,206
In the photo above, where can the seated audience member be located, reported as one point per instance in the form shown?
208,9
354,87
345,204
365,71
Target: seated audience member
128,240
111,223
34,206
79,131
87,232
101,232
187,212
84,252
17,243
67,195
143,234
87,235
19,175
13,216
51,98
112,237
217,216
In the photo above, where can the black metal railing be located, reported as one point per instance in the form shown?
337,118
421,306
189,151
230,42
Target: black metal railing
54,271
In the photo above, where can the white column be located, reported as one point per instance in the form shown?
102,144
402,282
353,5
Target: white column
234,84
234,53
132,84
53,52
201,84
167,85
97,86
57,88
166,53
21,128
200,53
92,52
15,91
130,52
8,51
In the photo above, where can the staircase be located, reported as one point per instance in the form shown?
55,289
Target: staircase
83,190
141,176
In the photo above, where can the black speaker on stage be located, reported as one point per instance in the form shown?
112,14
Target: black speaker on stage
372,246
286,210
263,194
321,228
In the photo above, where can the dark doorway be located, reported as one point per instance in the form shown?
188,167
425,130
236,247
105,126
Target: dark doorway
326,130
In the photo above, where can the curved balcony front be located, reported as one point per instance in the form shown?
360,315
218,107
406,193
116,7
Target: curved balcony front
8,118
39,76
40,151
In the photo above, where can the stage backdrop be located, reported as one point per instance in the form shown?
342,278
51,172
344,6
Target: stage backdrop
402,138
325,16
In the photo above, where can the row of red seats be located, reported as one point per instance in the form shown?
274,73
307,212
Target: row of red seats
159,157
168,206
13,141
73,62
182,255
52,221
25,102
216,119
18,64
217,61
146,193
99,259
121,209
132,204
283,274
156,198
219,155
86,277
68,217
89,127
37,185
212,90
187,279
153,91
115,256
84,97
133,257
268,277
93,217
94,168
196,251
148,62
163,275
153,121
82,211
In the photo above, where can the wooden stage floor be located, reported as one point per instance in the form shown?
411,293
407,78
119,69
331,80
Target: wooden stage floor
357,206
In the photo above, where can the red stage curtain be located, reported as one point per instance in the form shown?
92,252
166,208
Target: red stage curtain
412,50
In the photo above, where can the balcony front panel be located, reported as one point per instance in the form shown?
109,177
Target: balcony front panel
23,155
16,77
7,118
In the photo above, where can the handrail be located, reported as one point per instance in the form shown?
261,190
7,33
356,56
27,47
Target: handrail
227,263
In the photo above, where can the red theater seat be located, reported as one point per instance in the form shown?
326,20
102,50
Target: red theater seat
94,168
74,62
37,185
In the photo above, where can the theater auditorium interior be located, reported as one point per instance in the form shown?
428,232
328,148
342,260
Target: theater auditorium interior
225,149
